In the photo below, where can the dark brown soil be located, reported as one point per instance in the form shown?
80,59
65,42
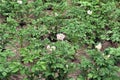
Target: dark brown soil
108,44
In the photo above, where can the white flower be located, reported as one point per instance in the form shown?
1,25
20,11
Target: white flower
50,48
108,56
53,47
60,36
89,12
67,66
99,46
19,1
56,14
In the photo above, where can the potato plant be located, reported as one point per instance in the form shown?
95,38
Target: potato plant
40,39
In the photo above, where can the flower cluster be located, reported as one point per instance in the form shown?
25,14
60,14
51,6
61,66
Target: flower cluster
19,1
98,47
60,36
51,48
89,12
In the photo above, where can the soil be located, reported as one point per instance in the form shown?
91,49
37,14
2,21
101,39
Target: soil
108,44
2,18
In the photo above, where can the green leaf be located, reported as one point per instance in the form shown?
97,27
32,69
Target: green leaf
4,74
